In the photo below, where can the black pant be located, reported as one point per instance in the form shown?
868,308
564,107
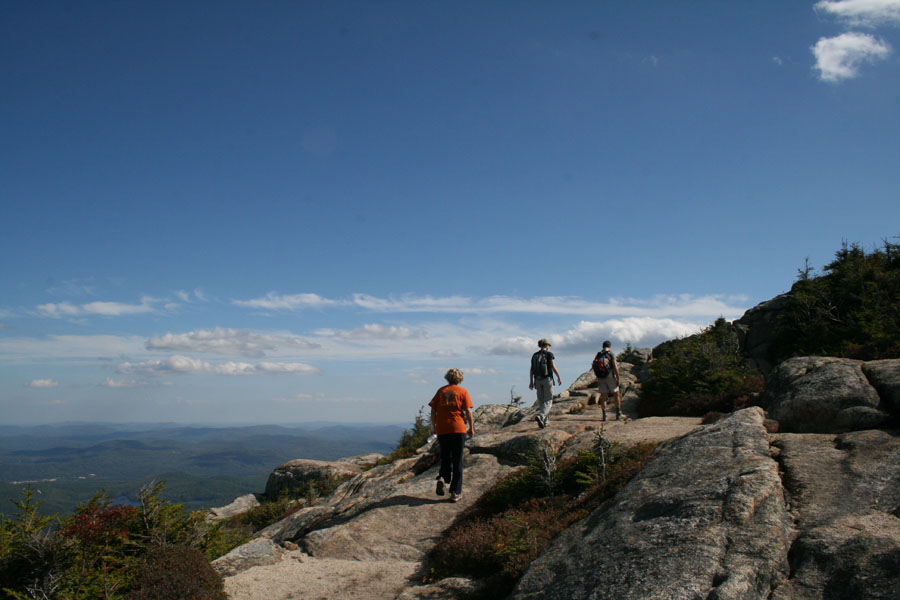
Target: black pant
452,445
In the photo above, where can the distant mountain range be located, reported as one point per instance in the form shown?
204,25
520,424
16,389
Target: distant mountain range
203,466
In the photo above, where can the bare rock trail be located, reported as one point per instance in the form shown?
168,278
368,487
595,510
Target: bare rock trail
371,541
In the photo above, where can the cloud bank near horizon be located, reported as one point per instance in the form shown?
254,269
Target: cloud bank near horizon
683,305
412,329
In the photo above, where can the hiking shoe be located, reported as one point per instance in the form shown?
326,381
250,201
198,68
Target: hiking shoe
542,422
618,414
454,497
440,487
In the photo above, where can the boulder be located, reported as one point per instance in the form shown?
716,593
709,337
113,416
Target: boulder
493,417
637,356
239,506
758,329
689,525
294,476
884,375
822,394
855,557
362,461
584,381
450,588
258,552
297,523
844,494
518,448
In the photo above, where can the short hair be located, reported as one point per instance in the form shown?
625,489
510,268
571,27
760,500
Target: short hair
543,342
453,376
607,344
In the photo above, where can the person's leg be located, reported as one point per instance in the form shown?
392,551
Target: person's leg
457,447
602,400
446,443
617,397
545,398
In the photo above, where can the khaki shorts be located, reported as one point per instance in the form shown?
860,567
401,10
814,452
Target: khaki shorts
607,385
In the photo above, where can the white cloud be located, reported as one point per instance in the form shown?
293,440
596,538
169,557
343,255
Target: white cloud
588,335
123,383
105,309
867,13
190,297
273,301
479,371
374,331
513,346
664,305
840,57
183,365
42,383
670,305
640,331
227,341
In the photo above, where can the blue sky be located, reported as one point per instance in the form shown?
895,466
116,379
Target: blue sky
235,212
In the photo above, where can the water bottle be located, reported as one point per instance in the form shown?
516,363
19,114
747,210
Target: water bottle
431,438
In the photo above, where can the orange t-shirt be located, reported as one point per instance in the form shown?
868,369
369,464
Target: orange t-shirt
450,404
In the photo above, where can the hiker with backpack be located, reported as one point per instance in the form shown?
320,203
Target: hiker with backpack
541,379
607,371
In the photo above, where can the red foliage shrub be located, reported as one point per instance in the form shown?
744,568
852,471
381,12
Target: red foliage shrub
99,524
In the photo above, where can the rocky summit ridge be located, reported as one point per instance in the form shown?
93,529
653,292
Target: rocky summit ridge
805,507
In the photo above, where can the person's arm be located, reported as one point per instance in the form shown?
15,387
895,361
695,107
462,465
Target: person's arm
471,419
553,366
433,415
531,378
616,369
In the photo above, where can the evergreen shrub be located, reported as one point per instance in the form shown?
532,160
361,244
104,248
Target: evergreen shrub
107,551
701,374
851,310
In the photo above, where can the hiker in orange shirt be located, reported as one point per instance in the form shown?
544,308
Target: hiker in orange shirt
451,409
